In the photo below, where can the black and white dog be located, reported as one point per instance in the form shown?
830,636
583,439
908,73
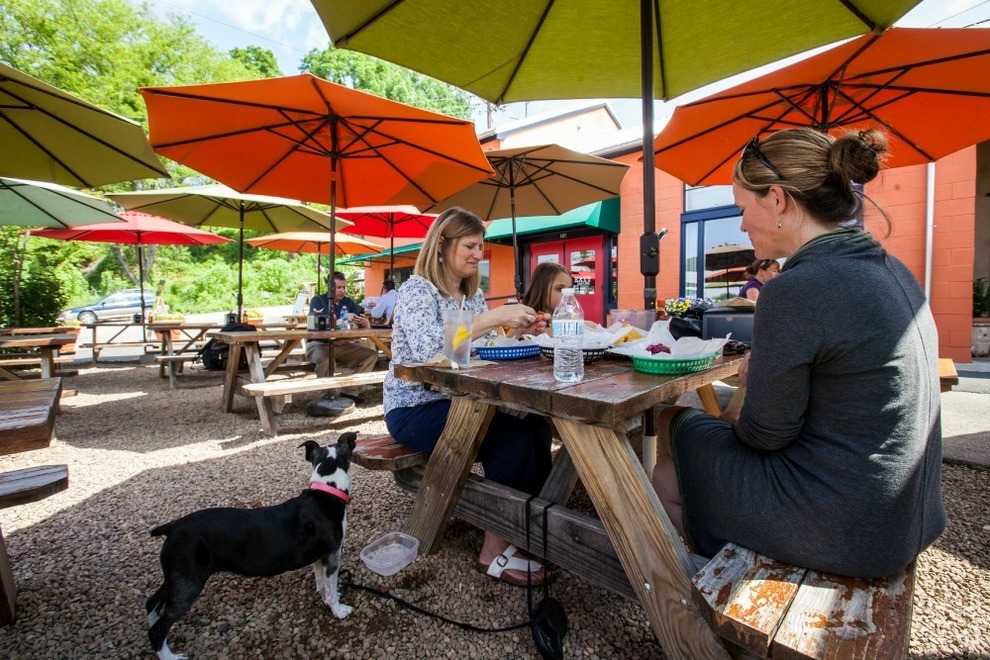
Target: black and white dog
308,529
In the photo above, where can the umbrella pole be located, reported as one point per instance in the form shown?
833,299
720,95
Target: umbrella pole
140,257
240,265
516,259
649,241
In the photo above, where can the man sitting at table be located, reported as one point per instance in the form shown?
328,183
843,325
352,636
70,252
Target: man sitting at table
382,307
350,357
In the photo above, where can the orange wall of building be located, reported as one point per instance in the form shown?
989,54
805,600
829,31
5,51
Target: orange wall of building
903,193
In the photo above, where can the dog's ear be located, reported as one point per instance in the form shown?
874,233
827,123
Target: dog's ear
349,439
311,449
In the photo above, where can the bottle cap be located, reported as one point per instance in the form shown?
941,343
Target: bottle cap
567,292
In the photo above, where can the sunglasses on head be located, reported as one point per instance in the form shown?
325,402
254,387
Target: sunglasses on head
753,149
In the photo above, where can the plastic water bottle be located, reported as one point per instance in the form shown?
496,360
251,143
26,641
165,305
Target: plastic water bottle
568,336
343,323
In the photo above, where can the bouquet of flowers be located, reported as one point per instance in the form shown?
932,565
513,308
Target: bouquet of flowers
687,307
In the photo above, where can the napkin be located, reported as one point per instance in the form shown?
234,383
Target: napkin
443,362
684,348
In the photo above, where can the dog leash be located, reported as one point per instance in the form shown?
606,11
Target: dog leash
346,580
548,620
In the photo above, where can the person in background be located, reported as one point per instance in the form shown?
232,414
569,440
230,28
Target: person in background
350,357
834,461
382,308
515,451
759,273
549,279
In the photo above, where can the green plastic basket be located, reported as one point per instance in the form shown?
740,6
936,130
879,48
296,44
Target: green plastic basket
670,366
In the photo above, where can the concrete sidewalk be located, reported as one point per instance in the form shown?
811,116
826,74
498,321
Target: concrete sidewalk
966,416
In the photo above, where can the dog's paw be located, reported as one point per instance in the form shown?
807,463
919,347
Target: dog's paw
340,610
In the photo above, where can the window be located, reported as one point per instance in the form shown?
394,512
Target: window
714,249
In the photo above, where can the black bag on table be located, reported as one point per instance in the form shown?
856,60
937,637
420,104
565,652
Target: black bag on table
214,353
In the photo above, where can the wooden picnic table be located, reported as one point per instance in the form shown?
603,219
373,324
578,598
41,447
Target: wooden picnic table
250,342
45,345
596,419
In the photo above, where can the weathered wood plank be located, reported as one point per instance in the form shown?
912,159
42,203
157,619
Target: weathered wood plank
382,452
32,484
27,413
467,424
576,542
654,559
840,617
744,596
308,384
8,590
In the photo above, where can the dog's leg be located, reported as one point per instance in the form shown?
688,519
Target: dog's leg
180,593
154,605
331,596
321,583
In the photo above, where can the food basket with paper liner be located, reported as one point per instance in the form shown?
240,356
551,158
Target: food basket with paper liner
595,341
660,353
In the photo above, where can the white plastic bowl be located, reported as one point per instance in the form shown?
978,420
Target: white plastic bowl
391,553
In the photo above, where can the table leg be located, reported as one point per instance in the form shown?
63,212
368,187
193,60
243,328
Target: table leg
230,378
265,411
47,361
708,399
448,469
649,548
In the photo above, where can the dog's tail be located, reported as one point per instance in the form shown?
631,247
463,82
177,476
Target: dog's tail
162,530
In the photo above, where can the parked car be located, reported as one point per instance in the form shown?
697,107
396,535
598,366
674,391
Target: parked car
121,305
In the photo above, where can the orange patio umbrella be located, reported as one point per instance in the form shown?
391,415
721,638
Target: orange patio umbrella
305,138
928,88
317,243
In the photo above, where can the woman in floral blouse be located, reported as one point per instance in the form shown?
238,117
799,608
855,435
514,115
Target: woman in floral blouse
516,451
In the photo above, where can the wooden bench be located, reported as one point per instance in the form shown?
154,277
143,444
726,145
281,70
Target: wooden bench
382,452
20,487
947,375
768,609
27,413
98,348
173,365
290,386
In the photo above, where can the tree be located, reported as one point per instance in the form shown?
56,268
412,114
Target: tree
102,51
370,74
257,59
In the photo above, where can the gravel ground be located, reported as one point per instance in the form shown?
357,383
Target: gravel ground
140,455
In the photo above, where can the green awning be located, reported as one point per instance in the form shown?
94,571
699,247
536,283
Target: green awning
385,254
600,215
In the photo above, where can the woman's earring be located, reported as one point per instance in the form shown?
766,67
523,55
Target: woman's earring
440,258
779,223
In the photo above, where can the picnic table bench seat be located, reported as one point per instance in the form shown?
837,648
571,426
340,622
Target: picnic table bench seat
769,609
382,452
27,413
97,348
299,384
20,487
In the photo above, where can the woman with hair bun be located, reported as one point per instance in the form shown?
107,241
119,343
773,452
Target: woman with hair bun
834,460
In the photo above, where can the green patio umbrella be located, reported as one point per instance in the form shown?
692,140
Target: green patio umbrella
40,204
50,135
526,50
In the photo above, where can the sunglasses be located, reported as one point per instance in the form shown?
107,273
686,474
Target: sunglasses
753,149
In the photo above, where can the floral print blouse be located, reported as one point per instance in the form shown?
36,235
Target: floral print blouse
417,336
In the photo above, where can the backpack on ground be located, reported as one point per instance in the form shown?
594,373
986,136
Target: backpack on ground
214,353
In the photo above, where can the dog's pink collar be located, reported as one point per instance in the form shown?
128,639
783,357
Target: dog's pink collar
315,485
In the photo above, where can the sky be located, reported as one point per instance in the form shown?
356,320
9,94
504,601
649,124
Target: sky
291,28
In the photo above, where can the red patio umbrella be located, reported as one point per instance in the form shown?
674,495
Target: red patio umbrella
138,229
388,222
307,138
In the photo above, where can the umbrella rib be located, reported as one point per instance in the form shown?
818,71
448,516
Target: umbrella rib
522,56
858,13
